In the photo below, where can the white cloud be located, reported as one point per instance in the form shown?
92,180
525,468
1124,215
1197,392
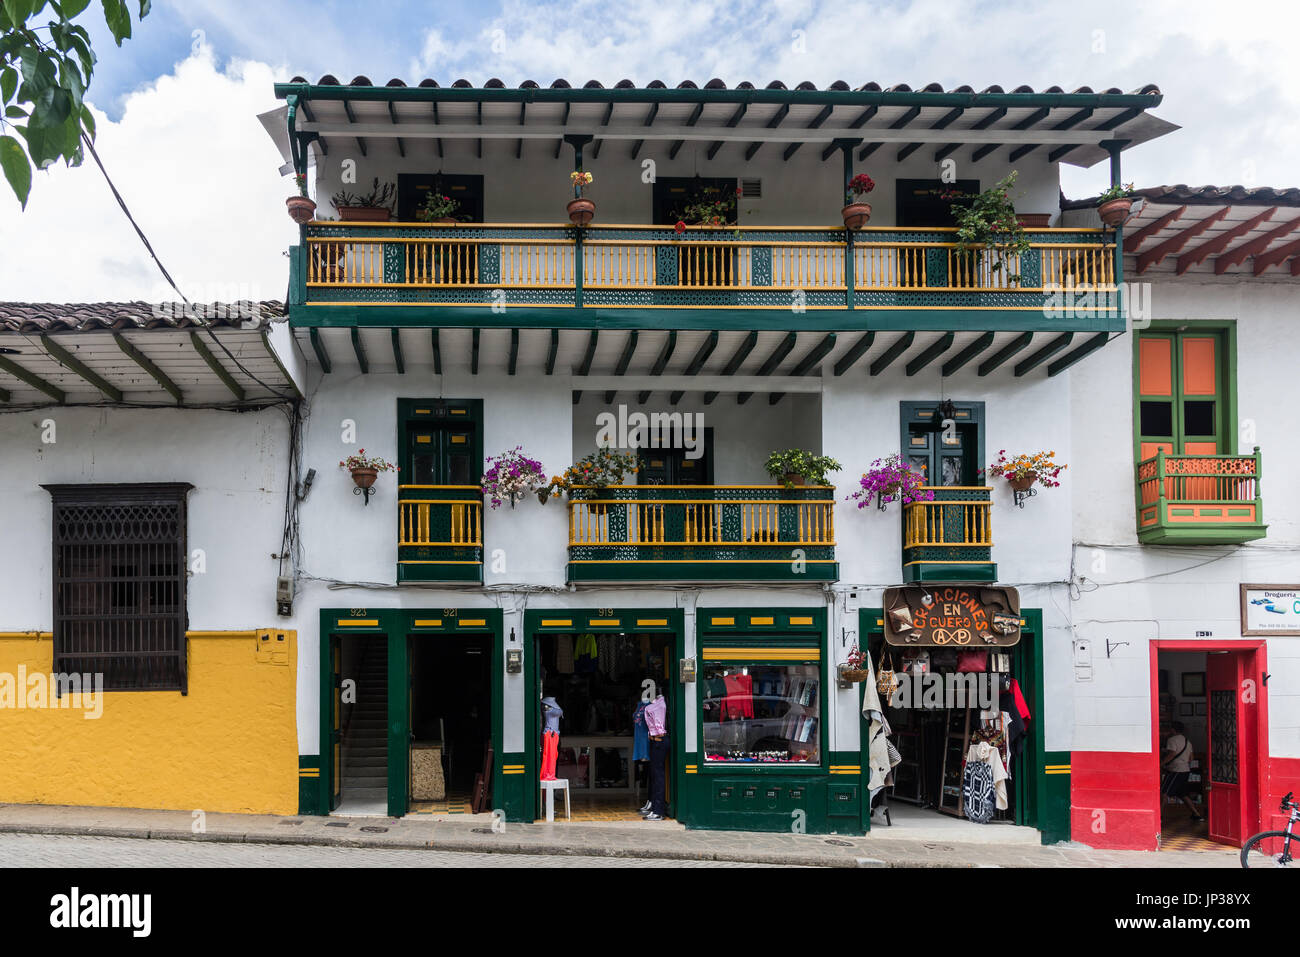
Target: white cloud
199,174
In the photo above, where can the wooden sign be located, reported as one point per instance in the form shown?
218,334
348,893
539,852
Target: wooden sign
952,616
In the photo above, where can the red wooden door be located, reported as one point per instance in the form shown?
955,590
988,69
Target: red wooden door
1228,747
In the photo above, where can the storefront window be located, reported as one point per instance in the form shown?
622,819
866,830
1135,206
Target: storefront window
762,714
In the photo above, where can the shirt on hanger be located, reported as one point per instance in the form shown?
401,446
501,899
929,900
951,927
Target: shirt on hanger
656,716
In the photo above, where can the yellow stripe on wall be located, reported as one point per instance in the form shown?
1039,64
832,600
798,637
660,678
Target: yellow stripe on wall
557,622
722,621
358,622
473,622
801,621
770,654
604,622
428,623
762,621
652,622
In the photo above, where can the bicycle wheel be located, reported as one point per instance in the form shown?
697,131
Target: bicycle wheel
1266,849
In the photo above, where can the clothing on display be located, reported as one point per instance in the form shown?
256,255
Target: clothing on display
659,750
564,654
656,716
640,734
984,755
585,654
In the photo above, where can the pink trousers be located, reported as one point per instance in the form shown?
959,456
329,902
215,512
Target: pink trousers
550,751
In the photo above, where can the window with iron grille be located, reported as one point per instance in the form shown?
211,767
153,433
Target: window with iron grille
119,558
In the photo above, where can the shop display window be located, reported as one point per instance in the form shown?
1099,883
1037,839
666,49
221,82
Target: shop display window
761,713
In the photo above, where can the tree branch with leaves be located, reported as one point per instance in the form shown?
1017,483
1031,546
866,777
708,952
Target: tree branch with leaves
45,71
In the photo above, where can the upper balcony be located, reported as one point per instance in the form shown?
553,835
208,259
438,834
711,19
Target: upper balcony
784,262
630,268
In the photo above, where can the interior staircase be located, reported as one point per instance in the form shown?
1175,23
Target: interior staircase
365,740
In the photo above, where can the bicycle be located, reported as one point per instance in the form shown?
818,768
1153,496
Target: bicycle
1273,848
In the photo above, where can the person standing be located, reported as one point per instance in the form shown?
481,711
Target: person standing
656,716
1177,765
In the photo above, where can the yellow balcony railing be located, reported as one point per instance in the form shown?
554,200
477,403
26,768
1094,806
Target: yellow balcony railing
440,532
546,264
949,537
721,532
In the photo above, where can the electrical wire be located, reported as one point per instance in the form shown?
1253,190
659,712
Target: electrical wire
171,282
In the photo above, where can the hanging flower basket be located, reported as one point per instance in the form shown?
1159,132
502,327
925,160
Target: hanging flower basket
856,215
365,469
1024,482
1113,212
581,211
891,478
364,477
855,674
302,209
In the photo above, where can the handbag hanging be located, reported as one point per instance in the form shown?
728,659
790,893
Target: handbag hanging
886,680
973,659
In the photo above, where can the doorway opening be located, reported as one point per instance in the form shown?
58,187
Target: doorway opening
937,722
1207,746
602,682
451,722
361,755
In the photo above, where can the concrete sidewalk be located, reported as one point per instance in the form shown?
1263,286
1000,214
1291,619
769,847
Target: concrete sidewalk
670,841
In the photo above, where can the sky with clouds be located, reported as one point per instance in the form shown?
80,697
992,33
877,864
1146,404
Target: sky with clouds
178,102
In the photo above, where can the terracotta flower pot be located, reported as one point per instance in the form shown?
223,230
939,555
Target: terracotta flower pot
791,478
364,477
365,214
302,209
856,215
1115,211
1024,484
1034,220
581,211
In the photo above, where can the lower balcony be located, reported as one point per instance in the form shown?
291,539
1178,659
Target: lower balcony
1199,499
440,533
950,538
656,533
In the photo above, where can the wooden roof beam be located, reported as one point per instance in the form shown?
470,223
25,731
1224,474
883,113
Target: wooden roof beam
772,124
665,356
512,364
1135,239
934,351
770,364
856,352
347,109
1220,242
697,363
735,362
1275,256
967,354
623,361
1043,354
735,118
1065,124
80,368
817,121
1058,366
910,148
398,359
33,380
1006,352
1253,247
815,355
323,356
901,345
360,351
1175,243
218,369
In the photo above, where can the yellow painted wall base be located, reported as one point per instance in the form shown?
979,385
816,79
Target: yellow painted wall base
231,744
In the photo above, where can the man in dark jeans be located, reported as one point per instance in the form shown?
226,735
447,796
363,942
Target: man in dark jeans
656,714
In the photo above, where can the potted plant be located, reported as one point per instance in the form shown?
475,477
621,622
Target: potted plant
437,208
1023,470
855,667
856,211
800,467
989,225
365,469
302,208
592,474
581,210
890,478
375,206
712,206
510,476
1114,204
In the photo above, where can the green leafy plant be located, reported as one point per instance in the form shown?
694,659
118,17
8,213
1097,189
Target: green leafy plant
812,468
381,196
1117,191
436,206
711,206
599,470
43,83
989,226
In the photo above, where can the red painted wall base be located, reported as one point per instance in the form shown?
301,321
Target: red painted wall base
1114,803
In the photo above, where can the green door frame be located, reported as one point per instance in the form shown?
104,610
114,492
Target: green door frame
598,621
396,626
1226,375
1042,798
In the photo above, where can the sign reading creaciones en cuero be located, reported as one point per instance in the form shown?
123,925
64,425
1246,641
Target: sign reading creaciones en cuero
952,616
